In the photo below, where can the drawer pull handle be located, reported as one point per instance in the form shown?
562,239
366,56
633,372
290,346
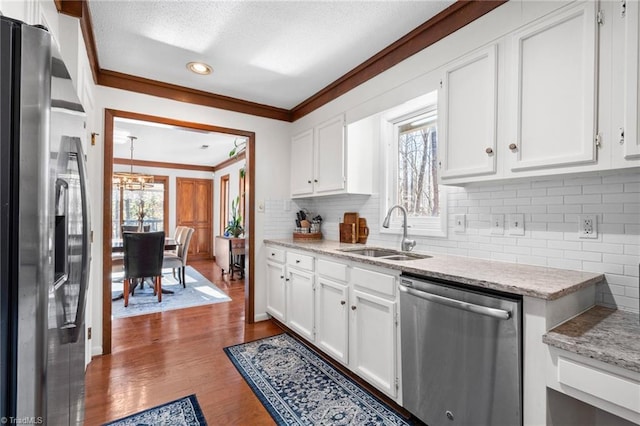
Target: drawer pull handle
489,150
342,302
281,276
513,146
297,260
353,307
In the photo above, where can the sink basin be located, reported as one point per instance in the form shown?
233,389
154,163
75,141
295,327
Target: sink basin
372,252
386,254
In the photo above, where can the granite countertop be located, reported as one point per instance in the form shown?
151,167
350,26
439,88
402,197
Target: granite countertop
535,281
604,334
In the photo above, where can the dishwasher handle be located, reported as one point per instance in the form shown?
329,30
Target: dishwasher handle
459,304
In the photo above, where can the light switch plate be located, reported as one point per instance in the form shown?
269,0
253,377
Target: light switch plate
460,222
496,224
516,224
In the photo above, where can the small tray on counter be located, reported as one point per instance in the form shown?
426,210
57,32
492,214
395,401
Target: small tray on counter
307,236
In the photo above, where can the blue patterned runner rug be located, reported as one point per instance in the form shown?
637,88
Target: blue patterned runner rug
181,412
298,387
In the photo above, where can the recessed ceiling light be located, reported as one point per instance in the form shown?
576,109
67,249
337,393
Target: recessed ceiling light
199,68
204,146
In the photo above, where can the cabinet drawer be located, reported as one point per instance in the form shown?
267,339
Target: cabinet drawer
275,254
374,281
335,270
621,391
301,261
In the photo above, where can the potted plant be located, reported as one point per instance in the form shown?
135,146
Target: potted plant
234,228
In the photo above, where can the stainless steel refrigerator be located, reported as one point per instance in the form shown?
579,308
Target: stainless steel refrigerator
44,232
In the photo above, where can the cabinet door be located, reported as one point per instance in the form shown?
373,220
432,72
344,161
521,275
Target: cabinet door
302,164
373,341
467,116
332,325
553,90
329,156
632,82
276,291
300,302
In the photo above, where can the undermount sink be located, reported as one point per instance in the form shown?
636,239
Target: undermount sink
387,254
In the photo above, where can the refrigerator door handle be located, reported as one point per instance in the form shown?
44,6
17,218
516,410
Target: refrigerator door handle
86,241
61,211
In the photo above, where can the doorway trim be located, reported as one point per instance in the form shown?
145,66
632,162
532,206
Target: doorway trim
109,116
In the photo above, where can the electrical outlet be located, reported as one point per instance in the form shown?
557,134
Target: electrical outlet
460,222
587,226
497,224
516,224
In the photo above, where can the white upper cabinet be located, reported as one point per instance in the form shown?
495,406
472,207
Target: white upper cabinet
631,130
329,155
302,164
329,159
467,111
552,90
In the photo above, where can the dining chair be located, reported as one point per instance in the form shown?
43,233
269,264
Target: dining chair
179,260
135,228
177,235
143,253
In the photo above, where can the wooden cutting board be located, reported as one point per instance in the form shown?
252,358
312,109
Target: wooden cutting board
350,218
363,230
348,233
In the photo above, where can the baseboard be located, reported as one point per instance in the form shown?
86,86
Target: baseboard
96,351
261,317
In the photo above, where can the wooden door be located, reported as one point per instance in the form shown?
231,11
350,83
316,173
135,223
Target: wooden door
194,206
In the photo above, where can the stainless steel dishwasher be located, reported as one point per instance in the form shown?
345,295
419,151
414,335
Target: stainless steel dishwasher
461,354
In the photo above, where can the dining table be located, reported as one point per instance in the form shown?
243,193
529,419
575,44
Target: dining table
117,246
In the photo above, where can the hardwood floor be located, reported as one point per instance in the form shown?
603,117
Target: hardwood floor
164,356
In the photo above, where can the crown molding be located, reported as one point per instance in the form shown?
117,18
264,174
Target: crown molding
451,19
162,165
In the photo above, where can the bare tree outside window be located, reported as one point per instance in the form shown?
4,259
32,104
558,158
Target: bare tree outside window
417,167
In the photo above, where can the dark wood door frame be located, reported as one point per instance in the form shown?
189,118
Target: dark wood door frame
109,116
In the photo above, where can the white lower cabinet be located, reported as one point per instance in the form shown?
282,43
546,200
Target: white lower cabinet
300,283
372,341
348,311
373,336
276,290
332,320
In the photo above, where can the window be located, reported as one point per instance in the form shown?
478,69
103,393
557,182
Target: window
151,202
412,167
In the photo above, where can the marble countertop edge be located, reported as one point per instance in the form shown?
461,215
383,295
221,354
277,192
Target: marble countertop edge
526,280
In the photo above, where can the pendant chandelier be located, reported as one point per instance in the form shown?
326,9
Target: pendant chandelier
130,180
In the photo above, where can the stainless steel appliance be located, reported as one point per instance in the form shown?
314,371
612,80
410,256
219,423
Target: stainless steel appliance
44,232
461,354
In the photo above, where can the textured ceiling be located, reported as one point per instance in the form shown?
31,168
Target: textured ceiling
170,144
277,53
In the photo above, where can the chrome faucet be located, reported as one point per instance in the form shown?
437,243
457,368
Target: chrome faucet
407,244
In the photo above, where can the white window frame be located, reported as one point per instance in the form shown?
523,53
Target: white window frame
390,132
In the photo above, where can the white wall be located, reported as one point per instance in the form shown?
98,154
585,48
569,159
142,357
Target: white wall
550,205
172,174
233,171
272,147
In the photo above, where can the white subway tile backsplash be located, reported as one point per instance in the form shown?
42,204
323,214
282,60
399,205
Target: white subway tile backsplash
565,190
550,206
602,189
583,199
